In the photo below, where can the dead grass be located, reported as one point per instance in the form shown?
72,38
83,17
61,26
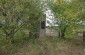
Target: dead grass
45,46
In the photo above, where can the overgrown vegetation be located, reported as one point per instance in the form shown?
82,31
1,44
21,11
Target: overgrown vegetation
17,14
67,15
20,23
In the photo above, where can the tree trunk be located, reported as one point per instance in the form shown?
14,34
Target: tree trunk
9,37
62,32
33,35
83,36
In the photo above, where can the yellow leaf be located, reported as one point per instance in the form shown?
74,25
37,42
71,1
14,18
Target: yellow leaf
59,2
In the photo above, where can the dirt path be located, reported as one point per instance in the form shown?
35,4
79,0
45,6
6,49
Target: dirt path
51,32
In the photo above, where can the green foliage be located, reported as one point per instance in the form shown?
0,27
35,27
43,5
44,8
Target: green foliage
67,15
16,14
35,16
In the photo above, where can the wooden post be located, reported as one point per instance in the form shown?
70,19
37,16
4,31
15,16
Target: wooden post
83,36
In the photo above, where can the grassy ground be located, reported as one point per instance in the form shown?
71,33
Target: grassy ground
42,46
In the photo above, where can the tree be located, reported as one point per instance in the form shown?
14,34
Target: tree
66,14
12,16
17,13
35,17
